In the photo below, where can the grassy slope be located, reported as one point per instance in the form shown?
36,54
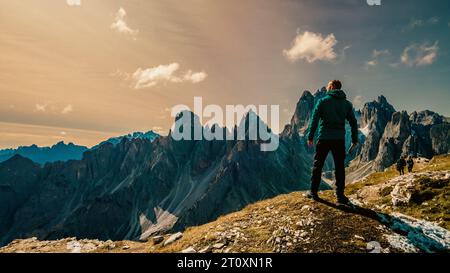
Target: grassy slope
437,206
331,230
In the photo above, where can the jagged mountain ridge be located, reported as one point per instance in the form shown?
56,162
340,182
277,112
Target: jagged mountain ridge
139,187
150,135
42,155
65,152
391,134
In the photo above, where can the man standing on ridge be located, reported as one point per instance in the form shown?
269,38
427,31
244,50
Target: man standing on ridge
328,118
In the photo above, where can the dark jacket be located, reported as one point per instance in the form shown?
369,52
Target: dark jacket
401,163
329,116
410,163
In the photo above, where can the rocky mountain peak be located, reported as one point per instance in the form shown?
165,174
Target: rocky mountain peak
375,116
378,111
426,118
18,159
303,112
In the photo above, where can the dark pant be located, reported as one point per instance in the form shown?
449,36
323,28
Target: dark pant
337,148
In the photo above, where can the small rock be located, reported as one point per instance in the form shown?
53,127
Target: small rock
189,250
218,246
126,247
173,238
359,237
373,247
157,239
110,244
207,249
305,207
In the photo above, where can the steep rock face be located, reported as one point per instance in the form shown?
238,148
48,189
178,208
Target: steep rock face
374,118
440,138
303,112
396,133
420,143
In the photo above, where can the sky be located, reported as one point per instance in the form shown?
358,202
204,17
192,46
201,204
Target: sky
83,71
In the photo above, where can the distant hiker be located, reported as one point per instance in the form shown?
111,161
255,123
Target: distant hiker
328,118
410,163
401,164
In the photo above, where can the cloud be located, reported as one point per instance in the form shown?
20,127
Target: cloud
358,101
376,54
420,55
73,2
150,77
67,109
40,107
120,25
312,47
372,63
417,23
195,77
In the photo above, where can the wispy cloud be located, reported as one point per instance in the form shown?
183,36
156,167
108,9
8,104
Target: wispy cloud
420,54
40,107
67,109
312,47
417,23
150,77
73,2
376,55
120,25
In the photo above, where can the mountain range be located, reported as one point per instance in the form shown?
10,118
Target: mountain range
65,152
42,155
132,188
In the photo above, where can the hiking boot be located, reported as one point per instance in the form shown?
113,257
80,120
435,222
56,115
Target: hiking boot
343,200
312,195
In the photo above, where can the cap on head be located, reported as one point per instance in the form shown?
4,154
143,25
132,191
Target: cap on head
334,84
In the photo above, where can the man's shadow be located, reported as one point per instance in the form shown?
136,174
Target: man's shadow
417,235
